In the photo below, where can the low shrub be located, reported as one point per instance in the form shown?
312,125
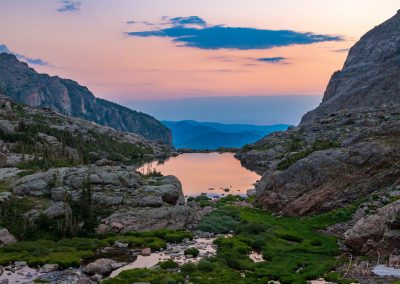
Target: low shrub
221,221
169,264
188,268
192,251
205,266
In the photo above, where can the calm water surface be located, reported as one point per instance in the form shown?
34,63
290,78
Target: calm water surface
207,173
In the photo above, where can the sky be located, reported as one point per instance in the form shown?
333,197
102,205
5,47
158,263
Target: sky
151,50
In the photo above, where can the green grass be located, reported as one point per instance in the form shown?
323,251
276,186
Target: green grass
70,252
146,275
65,253
293,249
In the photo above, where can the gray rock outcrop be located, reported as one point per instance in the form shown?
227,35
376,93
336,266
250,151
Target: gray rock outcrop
135,203
379,232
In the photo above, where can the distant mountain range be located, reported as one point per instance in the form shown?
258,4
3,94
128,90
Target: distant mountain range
24,85
210,135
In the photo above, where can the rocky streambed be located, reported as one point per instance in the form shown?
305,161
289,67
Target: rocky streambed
110,261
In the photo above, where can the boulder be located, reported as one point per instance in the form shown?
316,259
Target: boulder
50,267
102,266
59,194
146,252
6,238
147,218
6,126
6,173
379,232
58,209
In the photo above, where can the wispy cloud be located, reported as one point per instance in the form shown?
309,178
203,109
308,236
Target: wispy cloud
272,59
195,32
69,6
185,21
131,22
344,50
34,61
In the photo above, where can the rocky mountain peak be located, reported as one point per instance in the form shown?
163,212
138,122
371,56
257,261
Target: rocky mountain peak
8,56
24,85
370,77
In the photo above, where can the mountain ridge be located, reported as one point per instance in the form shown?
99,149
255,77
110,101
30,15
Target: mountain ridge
366,79
24,85
212,135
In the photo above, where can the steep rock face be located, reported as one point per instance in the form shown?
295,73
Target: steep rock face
24,85
348,147
370,76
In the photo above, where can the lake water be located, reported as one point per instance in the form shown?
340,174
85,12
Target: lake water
210,173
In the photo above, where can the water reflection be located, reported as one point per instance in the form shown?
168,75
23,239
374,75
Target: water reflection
211,173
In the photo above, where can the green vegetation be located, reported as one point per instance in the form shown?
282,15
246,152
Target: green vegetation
147,276
81,221
192,251
70,252
293,249
296,145
221,221
47,157
169,264
66,252
201,200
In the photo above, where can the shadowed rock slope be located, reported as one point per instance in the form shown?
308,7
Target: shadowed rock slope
346,151
24,85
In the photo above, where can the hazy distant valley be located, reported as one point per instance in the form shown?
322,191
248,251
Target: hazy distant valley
189,134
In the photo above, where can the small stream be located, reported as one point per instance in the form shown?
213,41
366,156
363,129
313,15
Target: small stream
173,252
